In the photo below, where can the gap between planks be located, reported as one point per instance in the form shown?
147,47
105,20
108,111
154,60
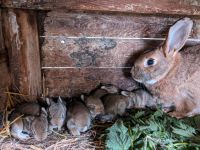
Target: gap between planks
86,67
117,38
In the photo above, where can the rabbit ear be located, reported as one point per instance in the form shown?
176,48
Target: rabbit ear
82,97
48,101
44,111
60,99
125,93
177,36
30,118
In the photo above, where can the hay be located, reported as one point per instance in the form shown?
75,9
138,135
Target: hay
55,141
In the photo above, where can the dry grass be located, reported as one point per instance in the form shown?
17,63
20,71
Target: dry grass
56,141
87,141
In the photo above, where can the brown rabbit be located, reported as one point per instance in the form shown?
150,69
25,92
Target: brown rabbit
78,118
172,76
28,126
20,128
39,126
94,102
57,113
116,104
140,98
28,108
110,88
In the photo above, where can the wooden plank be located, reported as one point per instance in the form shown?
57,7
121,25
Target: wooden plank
63,23
4,75
21,41
63,46
4,72
74,81
181,7
2,48
82,52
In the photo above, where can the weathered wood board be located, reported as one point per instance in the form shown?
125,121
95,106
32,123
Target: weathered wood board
62,23
81,50
74,81
21,41
182,7
4,73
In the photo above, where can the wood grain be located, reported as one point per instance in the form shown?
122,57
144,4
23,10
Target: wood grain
64,47
4,72
181,7
74,81
62,23
21,41
82,52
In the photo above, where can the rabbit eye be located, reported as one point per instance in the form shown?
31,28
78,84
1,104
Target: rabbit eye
150,62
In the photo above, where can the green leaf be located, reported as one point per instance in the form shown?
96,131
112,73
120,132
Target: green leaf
184,130
149,130
139,114
118,137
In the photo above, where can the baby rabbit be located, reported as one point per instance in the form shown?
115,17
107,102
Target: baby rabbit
27,126
115,104
20,128
39,126
110,88
29,108
94,102
140,98
78,118
57,113
171,75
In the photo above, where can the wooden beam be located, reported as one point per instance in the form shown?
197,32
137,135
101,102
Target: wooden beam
181,7
4,75
73,24
21,41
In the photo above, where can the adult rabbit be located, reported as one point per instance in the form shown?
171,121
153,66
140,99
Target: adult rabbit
171,75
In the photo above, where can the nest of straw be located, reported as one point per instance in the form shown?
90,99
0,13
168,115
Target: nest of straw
93,139
54,142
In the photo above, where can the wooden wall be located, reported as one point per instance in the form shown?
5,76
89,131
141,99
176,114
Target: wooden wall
86,42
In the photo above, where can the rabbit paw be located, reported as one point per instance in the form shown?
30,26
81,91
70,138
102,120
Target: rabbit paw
193,113
23,136
75,132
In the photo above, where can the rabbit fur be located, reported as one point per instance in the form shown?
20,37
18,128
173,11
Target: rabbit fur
78,118
171,75
57,113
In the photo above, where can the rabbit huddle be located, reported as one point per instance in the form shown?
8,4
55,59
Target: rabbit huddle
104,104
29,120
